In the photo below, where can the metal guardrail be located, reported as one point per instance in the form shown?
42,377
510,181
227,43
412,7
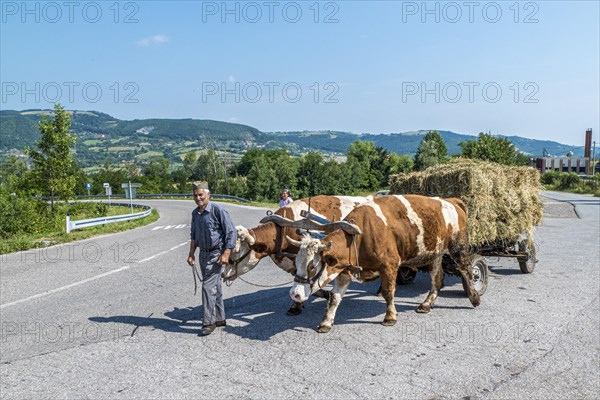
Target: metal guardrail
167,195
86,223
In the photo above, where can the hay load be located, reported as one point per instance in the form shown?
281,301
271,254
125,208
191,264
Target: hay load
502,201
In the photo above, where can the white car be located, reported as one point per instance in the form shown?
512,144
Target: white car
382,193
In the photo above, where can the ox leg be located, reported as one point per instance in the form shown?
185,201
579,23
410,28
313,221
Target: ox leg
340,286
437,280
388,290
295,309
464,269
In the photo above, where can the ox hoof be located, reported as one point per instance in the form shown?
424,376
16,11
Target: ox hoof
423,309
294,310
389,322
476,300
324,328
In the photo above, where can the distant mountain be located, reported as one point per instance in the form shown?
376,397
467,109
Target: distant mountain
103,137
408,142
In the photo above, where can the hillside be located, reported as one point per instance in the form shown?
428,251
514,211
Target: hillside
102,137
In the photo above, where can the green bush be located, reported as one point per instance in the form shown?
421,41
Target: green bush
22,215
569,181
551,178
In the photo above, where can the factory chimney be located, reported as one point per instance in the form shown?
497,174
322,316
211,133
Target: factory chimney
588,144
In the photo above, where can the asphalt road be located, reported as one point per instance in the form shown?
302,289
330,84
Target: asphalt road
115,317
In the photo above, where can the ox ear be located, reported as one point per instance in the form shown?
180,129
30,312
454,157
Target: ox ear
293,242
325,246
330,260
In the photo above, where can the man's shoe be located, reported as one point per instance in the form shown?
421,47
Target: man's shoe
221,323
207,330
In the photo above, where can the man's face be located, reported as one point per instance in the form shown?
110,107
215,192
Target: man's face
201,197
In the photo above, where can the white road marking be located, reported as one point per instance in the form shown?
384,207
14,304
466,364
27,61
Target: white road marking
93,278
162,252
49,292
167,227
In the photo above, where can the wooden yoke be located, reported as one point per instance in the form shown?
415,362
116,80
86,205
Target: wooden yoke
347,227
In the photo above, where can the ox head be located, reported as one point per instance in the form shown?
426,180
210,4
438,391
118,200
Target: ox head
243,257
320,262
308,264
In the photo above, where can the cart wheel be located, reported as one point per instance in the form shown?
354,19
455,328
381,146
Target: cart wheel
405,276
527,262
480,274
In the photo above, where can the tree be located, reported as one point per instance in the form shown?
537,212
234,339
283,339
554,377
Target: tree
495,149
400,164
432,150
14,174
54,161
373,171
261,181
311,175
111,175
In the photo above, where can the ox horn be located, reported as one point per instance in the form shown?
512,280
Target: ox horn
250,239
294,242
247,237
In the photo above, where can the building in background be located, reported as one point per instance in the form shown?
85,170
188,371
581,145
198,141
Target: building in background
579,165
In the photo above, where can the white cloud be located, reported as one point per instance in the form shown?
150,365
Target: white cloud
153,40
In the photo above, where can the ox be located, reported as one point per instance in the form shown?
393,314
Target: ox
269,239
397,231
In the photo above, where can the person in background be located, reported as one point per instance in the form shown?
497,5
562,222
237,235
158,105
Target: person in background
213,233
286,198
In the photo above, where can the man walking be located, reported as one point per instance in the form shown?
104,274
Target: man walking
214,235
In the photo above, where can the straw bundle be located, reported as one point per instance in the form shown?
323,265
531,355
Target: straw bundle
502,201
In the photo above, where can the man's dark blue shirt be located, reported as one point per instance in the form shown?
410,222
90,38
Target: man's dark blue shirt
212,228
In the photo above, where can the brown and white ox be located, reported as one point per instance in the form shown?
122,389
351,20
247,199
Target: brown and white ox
397,231
269,239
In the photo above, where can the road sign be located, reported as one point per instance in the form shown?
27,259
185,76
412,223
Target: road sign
88,186
106,185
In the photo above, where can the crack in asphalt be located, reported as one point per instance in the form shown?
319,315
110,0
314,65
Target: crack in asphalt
560,335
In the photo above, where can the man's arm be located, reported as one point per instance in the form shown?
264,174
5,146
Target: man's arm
230,236
191,258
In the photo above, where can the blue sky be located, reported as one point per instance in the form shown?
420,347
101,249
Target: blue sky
517,68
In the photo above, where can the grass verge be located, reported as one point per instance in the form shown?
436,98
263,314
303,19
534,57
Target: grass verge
26,242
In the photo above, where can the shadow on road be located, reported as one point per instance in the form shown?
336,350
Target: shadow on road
261,315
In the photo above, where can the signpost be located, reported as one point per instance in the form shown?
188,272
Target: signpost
88,186
108,191
130,189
